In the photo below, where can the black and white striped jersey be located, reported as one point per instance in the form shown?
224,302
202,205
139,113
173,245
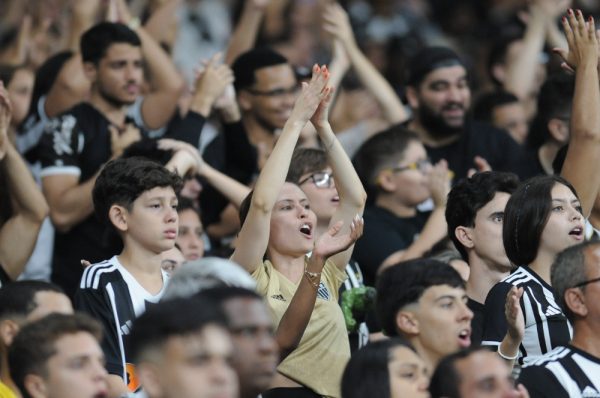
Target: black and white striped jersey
563,372
109,293
546,326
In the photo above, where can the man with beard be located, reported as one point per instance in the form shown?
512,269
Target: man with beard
439,94
77,143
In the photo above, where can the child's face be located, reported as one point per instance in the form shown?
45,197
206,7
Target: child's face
152,222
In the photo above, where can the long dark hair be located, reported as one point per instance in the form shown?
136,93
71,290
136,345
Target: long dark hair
367,374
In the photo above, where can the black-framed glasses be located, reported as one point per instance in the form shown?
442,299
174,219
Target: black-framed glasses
321,180
582,284
279,92
422,165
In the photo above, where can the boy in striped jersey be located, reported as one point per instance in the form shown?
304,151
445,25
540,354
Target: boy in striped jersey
137,199
573,370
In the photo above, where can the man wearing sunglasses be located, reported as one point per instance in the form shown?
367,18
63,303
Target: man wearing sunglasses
573,370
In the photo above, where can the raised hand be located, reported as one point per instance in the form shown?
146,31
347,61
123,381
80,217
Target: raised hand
331,242
321,116
582,40
439,183
311,96
186,159
119,140
337,23
514,313
211,84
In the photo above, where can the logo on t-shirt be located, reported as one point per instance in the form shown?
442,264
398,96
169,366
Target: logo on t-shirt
323,292
278,297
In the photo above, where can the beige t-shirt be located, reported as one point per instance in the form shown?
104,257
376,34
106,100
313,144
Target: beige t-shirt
319,360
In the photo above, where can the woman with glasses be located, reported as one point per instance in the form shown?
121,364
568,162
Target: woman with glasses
279,230
398,177
546,215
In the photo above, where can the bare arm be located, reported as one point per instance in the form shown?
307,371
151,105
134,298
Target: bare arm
18,234
521,68
435,229
167,84
296,317
254,234
187,159
244,34
584,142
71,202
350,190
337,23
70,88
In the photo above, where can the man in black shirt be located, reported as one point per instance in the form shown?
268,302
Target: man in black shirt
474,212
438,92
572,370
76,144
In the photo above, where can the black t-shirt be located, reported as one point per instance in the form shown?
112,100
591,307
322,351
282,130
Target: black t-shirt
383,235
4,278
78,143
476,322
530,165
563,372
480,139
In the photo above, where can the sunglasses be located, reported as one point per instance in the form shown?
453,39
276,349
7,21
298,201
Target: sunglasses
321,180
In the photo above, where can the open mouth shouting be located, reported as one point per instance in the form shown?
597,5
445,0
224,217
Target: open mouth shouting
306,229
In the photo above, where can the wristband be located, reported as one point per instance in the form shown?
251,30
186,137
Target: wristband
503,356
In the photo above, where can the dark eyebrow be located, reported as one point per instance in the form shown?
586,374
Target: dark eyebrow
496,214
446,296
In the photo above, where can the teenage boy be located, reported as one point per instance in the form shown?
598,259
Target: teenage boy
474,213
77,143
59,357
182,349
23,302
425,302
137,199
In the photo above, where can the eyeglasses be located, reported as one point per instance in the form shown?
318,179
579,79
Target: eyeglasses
321,180
587,282
279,92
422,165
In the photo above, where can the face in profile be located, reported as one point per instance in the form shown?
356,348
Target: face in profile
76,370
409,376
484,375
565,225
320,189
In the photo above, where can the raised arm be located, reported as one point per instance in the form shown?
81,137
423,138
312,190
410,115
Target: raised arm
584,142
187,159
338,24
348,185
166,83
18,234
254,234
244,34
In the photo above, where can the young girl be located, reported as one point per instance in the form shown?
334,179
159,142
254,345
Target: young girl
278,231
545,216
387,368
